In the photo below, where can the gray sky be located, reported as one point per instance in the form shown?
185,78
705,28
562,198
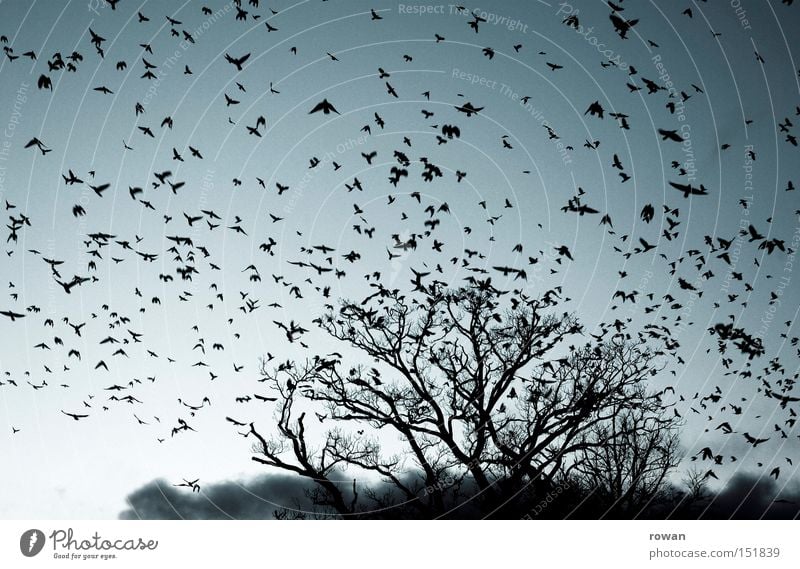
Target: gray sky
84,469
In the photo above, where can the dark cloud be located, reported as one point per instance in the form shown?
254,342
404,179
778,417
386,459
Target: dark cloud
750,496
261,497
253,499
745,496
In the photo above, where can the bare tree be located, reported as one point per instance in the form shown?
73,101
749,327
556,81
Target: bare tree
483,389
625,474
692,497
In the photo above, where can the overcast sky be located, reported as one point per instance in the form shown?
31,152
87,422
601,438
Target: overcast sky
56,467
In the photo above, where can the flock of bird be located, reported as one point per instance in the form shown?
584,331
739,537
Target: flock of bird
186,266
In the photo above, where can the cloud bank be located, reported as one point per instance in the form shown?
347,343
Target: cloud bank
254,499
746,496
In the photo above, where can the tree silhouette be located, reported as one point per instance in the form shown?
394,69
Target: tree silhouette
484,399
625,474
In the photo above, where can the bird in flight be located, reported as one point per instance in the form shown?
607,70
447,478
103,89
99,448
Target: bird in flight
468,109
237,61
74,416
324,106
689,190
12,315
